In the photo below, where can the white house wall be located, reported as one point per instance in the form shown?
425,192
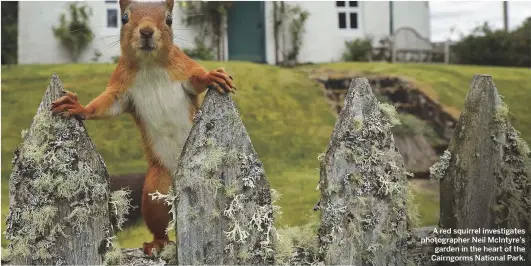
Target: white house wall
270,32
413,14
184,36
38,45
375,21
323,41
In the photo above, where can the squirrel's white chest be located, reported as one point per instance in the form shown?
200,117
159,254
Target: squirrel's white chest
163,107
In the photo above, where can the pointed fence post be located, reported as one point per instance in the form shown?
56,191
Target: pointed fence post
59,193
485,176
363,186
223,209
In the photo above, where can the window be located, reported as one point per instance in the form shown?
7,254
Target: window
347,15
112,13
353,20
112,18
342,20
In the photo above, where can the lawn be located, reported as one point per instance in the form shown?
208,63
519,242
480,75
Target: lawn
450,83
285,113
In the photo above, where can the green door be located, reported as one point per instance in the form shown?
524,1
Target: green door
246,31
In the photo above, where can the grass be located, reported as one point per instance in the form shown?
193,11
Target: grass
450,83
285,113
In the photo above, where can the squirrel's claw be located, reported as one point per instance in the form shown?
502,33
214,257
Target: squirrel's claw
67,106
222,81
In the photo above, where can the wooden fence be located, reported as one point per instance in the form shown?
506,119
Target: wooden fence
62,211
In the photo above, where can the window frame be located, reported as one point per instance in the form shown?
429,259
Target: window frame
348,11
112,5
107,16
345,23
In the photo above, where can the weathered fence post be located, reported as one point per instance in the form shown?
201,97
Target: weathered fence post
59,193
485,176
223,209
363,186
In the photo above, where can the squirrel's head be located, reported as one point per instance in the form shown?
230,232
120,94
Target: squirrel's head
146,31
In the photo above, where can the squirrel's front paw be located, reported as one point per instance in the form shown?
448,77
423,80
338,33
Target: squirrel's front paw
68,106
220,80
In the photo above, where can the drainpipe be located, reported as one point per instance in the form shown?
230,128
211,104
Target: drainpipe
225,38
505,17
391,26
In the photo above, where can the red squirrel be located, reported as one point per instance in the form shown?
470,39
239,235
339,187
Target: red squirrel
159,85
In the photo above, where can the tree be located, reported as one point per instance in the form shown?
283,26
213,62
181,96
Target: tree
208,17
290,18
75,35
296,29
485,46
9,32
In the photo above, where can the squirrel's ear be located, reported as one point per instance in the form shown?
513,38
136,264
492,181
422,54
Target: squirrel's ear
169,4
124,4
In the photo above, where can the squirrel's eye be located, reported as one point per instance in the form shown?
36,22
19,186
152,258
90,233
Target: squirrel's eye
169,20
125,18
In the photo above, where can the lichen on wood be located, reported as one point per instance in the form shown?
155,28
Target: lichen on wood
486,181
363,186
135,257
298,245
59,191
223,205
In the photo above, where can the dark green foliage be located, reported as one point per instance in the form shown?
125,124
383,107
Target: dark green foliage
115,59
75,35
495,47
201,51
207,16
363,50
9,32
358,50
296,29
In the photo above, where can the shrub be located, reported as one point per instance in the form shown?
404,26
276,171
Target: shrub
9,32
201,51
207,17
358,50
485,46
296,29
75,35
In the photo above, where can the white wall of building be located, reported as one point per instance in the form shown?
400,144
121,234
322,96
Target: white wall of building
413,14
38,45
375,23
323,40
270,32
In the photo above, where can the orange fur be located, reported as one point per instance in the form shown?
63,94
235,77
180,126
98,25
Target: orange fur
155,213
109,103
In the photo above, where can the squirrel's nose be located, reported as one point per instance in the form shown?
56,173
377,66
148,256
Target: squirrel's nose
146,32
